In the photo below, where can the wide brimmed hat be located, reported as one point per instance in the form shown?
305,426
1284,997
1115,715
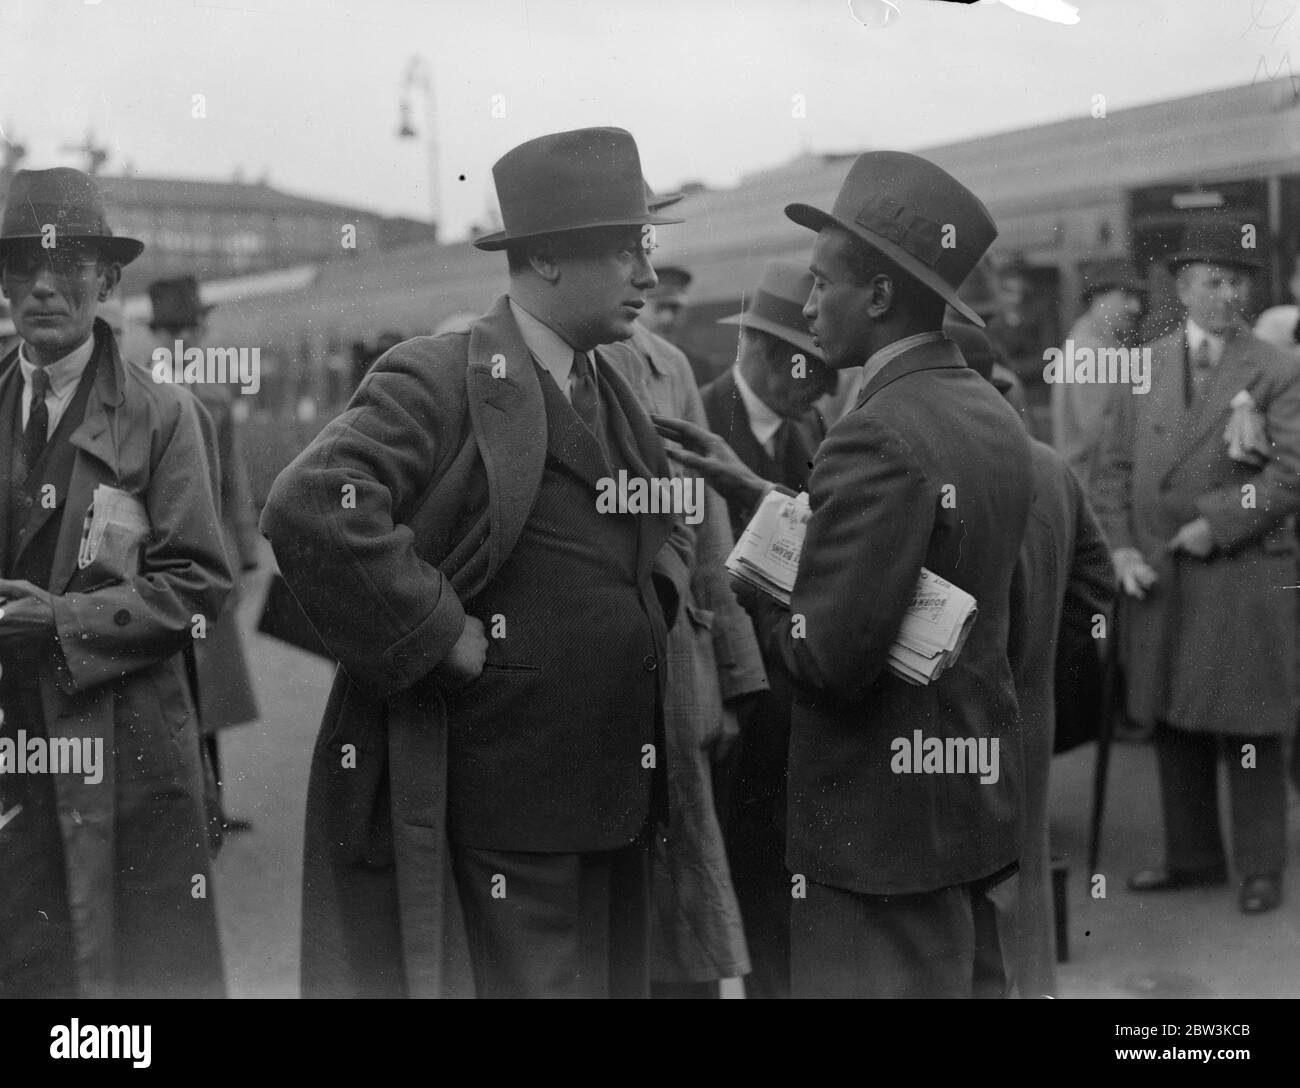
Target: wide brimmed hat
902,205
589,177
69,201
1109,274
1215,241
176,303
777,306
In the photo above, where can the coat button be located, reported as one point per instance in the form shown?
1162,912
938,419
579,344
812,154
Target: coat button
650,662
121,617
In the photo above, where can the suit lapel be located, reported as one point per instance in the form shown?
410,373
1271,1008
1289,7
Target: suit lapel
509,419
9,408
1210,411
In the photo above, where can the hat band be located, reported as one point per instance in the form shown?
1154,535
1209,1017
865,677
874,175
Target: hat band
917,234
780,311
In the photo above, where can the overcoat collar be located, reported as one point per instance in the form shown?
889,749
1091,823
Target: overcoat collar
934,355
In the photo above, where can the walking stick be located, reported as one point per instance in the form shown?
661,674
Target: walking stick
1112,698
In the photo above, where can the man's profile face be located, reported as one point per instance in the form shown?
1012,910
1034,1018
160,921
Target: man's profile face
836,310
1214,294
604,277
54,293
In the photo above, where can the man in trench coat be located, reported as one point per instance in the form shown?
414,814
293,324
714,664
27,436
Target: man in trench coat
480,807
1200,520
115,895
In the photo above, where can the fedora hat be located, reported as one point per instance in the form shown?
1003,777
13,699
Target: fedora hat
589,177
1109,274
776,308
900,204
68,200
1214,241
176,303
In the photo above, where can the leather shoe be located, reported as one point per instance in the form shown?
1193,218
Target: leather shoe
1172,880
1261,893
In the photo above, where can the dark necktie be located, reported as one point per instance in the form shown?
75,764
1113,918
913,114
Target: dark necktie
38,420
1202,368
582,385
790,452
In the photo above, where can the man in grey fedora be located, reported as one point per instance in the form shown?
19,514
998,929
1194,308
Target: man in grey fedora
902,882
1197,487
491,762
106,888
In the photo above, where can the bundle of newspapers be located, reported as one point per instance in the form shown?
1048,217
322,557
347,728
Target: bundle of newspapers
937,621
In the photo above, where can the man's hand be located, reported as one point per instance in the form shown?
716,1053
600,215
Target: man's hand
1133,572
26,612
462,666
1194,538
710,456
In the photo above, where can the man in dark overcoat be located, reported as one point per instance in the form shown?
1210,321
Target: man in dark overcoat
104,882
902,871
1198,484
491,760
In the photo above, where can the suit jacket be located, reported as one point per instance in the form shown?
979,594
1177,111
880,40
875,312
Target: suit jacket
1211,648
729,420
713,657
442,450
1064,578
1078,410
133,842
931,469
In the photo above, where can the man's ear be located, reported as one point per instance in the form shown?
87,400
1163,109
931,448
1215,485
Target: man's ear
545,263
112,275
884,296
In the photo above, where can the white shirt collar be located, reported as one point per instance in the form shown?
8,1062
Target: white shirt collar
1197,336
876,363
763,422
551,349
64,374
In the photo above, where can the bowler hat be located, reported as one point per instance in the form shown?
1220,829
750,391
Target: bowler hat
1215,241
69,201
589,177
1109,274
176,303
777,306
918,215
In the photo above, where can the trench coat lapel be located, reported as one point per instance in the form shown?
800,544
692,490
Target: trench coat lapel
97,457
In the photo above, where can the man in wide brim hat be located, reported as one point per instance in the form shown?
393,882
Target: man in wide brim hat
177,305
92,630
478,459
929,470
1218,241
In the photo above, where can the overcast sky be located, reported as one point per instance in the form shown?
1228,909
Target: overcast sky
307,91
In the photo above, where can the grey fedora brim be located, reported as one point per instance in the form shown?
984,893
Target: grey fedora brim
802,341
117,249
499,239
816,219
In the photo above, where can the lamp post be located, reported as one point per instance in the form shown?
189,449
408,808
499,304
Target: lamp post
419,77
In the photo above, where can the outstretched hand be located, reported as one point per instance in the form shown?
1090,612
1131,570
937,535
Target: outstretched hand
708,455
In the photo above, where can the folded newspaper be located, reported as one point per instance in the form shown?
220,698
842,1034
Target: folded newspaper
113,533
934,628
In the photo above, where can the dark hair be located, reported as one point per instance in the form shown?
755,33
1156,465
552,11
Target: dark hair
912,296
